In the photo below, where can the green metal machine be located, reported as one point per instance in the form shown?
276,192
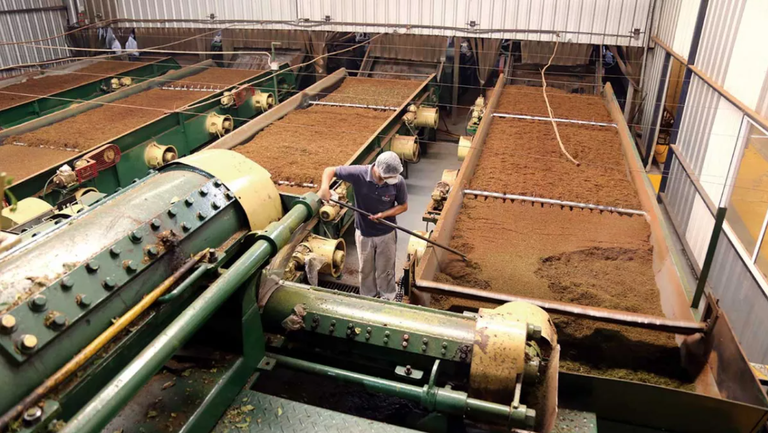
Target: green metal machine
191,263
39,107
181,302
411,123
123,160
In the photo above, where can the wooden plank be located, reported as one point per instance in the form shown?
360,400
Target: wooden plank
666,48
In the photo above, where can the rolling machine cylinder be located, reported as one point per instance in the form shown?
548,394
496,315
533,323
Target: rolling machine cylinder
102,408
59,289
504,347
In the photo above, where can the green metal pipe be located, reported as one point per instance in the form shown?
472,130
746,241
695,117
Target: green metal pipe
105,405
375,312
175,293
432,398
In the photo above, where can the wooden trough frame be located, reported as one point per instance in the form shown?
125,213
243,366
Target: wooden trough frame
728,397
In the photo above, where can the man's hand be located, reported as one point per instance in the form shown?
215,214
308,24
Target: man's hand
324,193
377,217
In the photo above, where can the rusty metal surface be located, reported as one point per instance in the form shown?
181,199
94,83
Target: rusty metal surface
27,271
644,321
498,356
656,407
733,374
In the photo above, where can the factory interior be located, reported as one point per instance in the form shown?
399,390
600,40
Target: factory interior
441,216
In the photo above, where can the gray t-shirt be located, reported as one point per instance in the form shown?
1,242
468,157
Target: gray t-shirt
372,198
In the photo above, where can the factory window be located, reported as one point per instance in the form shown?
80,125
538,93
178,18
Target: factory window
748,204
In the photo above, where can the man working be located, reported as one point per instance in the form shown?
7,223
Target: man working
380,191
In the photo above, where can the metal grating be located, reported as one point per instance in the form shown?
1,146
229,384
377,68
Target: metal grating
339,287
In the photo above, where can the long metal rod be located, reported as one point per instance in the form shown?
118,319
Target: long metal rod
444,400
547,119
181,288
644,321
706,266
339,104
110,400
99,342
554,202
402,229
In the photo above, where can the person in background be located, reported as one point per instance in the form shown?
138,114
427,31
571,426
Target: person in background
380,191
113,43
218,46
132,46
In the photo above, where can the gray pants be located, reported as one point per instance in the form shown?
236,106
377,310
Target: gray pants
377,265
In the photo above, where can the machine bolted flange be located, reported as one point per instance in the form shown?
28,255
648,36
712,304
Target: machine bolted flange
83,300
7,324
67,283
136,236
38,303
109,283
27,343
130,266
152,251
33,415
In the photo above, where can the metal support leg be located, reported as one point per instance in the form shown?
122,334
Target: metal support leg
456,60
707,265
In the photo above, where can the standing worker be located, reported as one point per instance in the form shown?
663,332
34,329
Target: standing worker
380,191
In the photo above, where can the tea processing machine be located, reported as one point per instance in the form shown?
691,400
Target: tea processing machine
175,303
186,301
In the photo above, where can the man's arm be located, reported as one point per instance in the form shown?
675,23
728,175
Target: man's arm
401,198
397,210
325,187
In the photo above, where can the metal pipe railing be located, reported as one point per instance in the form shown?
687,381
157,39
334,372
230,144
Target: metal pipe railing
644,321
431,397
554,202
107,403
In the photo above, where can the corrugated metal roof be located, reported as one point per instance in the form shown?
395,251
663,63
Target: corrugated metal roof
581,21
